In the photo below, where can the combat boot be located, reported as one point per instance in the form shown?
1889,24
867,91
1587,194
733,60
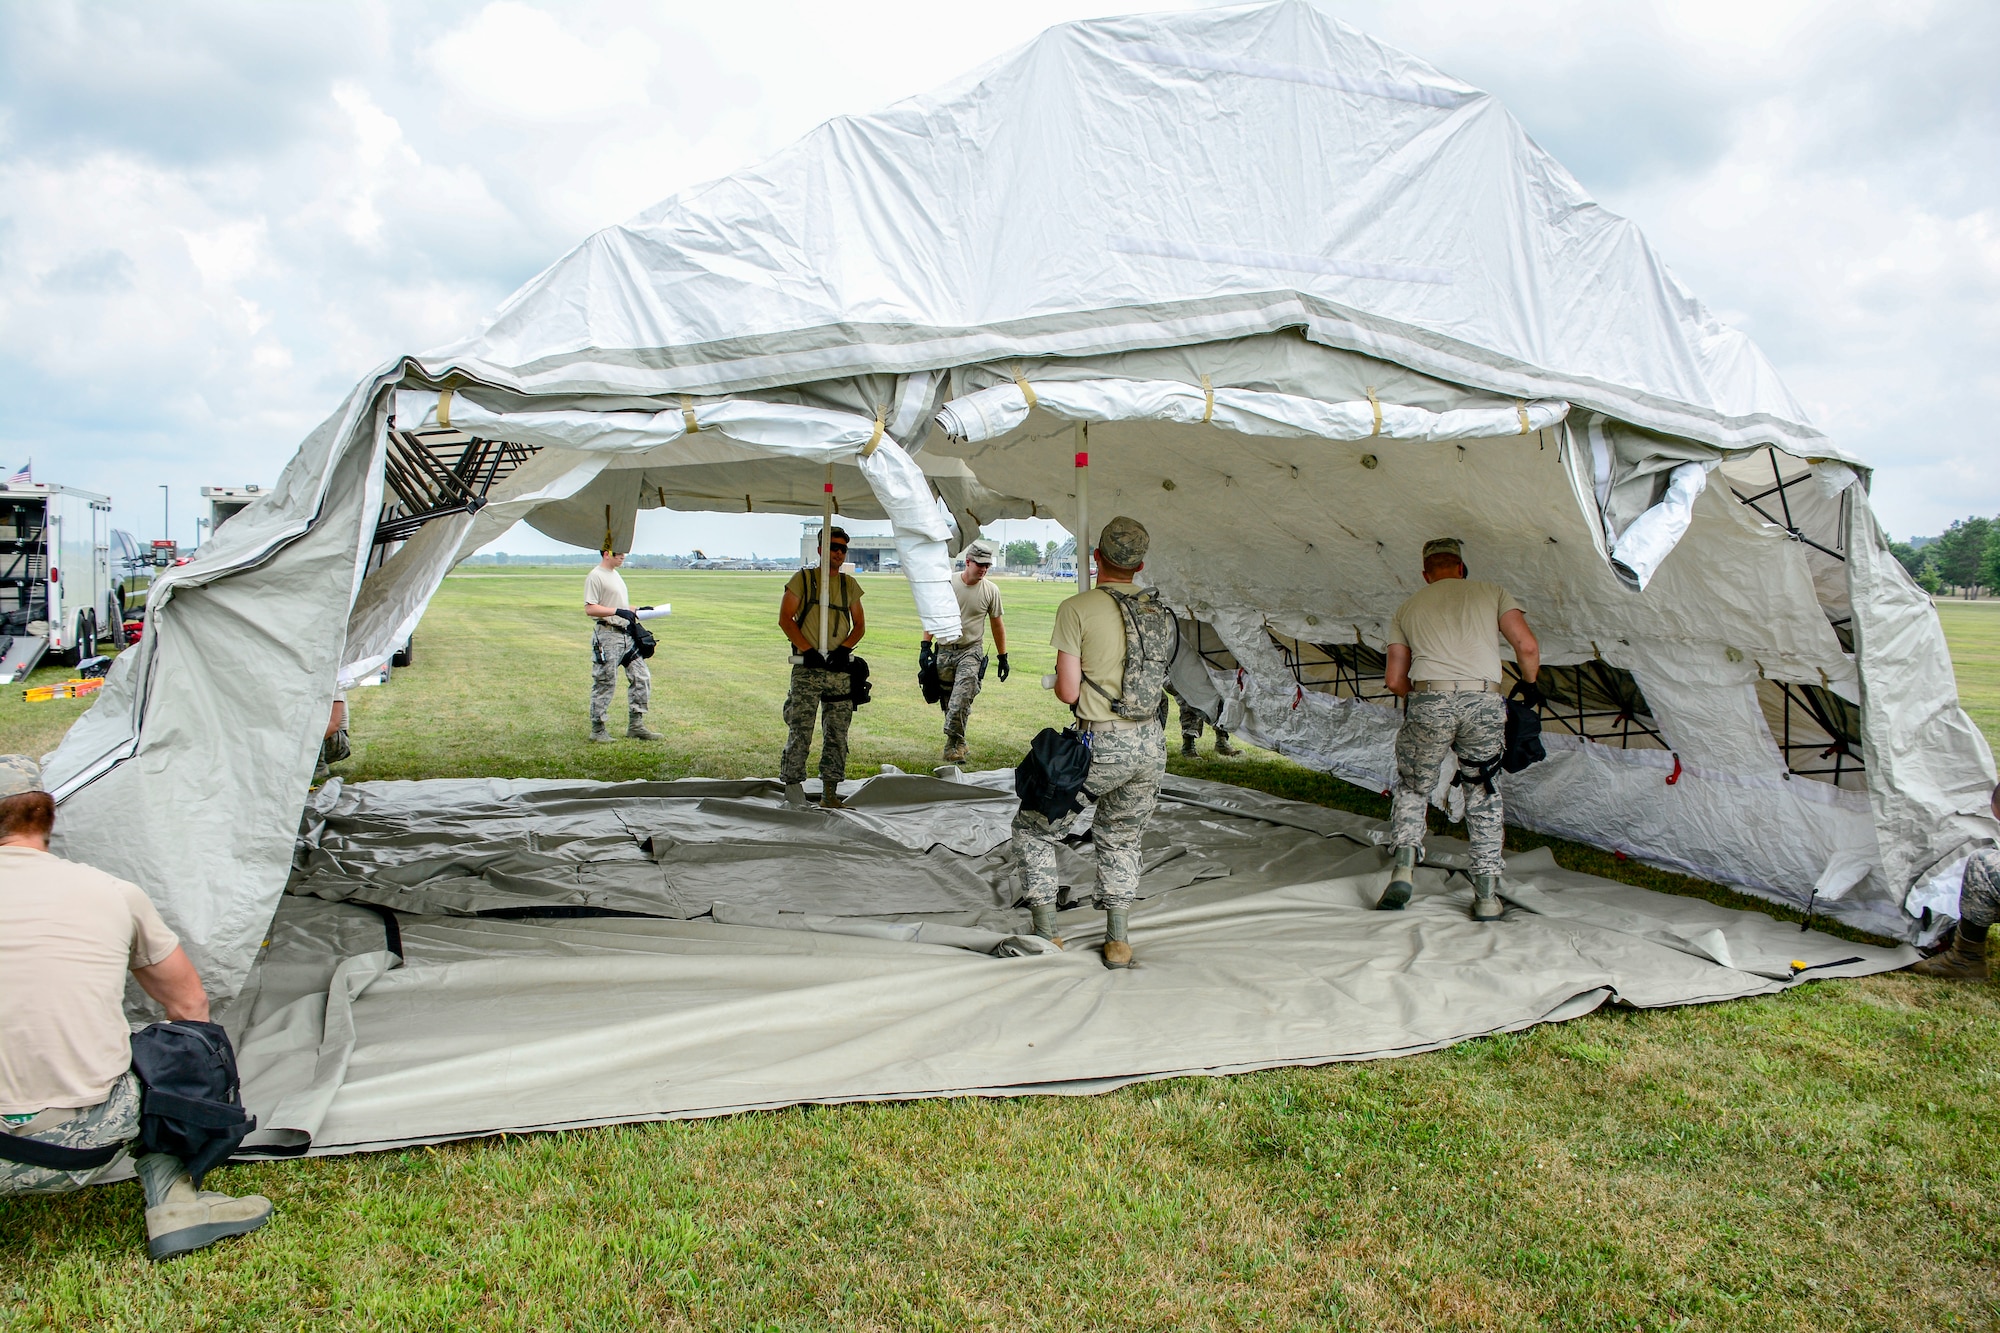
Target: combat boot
638,730
1044,915
599,733
1223,747
1486,905
181,1219
1965,960
1187,746
1117,949
1402,881
954,752
829,799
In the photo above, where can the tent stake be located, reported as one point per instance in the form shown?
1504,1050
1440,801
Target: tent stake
1083,506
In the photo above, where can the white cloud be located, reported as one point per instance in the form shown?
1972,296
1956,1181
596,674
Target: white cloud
519,62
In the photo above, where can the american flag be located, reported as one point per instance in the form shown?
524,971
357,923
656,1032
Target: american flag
25,477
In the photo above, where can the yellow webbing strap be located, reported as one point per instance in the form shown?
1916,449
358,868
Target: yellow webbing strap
609,539
876,437
687,414
444,408
1521,406
1027,390
1208,411
1375,404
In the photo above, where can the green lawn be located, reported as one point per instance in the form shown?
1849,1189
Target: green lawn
1820,1159
1973,629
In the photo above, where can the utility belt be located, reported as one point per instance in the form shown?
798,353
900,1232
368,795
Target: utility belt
1118,724
1455,687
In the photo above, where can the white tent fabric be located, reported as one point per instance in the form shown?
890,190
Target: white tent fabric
1311,300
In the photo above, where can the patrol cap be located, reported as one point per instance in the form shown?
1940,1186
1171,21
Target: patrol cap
19,775
979,553
1124,542
1443,546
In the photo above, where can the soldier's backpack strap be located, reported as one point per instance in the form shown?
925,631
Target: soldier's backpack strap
1138,702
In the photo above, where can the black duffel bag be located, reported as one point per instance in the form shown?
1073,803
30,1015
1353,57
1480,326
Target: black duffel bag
1524,728
1051,779
934,689
191,1105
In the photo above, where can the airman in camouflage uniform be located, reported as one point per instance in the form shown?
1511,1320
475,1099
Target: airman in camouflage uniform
963,662
71,939
1978,909
1102,681
1444,661
609,607
1191,723
822,687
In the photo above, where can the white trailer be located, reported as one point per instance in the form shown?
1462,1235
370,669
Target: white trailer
56,590
225,503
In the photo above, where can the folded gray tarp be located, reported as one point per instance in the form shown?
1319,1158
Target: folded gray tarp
867,973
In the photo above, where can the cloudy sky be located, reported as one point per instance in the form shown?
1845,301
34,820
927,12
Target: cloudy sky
215,218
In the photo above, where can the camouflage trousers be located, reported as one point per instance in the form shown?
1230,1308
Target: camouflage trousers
1471,726
113,1120
1191,720
1125,769
964,665
821,695
606,647
1979,891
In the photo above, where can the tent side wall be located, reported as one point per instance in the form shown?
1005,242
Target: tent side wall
1930,769
188,775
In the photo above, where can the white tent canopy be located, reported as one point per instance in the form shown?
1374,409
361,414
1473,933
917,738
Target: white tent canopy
1303,300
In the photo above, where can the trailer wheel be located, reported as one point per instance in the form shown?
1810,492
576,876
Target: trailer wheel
85,643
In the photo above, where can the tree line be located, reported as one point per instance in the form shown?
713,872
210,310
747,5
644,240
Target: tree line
1965,561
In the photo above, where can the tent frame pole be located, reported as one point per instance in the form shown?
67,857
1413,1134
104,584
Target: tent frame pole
1083,545
826,570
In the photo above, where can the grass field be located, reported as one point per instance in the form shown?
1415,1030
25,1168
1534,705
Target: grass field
1820,1159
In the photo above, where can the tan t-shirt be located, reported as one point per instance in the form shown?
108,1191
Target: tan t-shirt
1090,626
845,592
68,935
605,587
975,604
1452,629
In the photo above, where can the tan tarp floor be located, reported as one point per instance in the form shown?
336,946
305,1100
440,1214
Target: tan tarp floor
763,956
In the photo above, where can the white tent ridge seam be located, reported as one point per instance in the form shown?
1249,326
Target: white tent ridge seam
991,413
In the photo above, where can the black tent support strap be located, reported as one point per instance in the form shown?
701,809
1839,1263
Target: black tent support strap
54,1156
392,929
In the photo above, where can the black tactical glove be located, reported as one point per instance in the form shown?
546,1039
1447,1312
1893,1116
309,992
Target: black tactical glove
811,658
926,654
1003,666
1530,693
840,659
626,614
